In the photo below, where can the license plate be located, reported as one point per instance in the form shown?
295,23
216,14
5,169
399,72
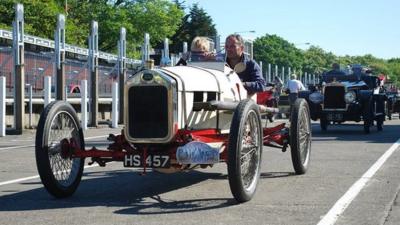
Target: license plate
335,116
154,161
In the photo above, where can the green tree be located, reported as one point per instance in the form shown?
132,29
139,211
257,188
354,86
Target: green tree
160,18
316,60
39,16
196,23
275,50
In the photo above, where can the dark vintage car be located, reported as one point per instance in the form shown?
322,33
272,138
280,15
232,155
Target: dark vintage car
353,97
393,104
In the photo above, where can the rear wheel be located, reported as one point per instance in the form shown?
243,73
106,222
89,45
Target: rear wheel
367,125
388,111
300,136
244,150
271,116
324,123
368,115
58,126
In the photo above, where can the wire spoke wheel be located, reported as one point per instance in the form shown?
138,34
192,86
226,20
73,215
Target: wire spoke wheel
63,127
244,151
300,136
249,156
58,170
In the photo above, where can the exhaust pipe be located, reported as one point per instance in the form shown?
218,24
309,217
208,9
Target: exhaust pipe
265,109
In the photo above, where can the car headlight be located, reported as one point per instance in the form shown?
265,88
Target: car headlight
350,97
316,97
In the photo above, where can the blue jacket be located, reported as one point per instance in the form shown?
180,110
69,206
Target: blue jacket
251,77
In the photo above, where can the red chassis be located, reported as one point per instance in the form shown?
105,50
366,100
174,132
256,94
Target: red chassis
275,136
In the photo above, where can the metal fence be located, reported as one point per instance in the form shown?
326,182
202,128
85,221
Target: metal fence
41,64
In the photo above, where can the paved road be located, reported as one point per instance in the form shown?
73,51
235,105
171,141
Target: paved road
116,195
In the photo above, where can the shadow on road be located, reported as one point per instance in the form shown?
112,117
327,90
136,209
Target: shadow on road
121,188
355,132
276,174
124,188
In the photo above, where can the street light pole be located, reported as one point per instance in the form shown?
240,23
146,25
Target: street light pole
246,31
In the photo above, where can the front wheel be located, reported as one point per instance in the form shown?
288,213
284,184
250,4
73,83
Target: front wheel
379,122
244,151
59,172
300,136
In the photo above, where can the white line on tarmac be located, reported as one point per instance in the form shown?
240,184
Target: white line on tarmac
28,146
37,176
340,206
33,177
14,147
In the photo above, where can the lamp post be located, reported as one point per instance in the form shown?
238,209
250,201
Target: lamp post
246,31
302,44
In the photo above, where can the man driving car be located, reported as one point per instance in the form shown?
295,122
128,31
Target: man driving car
247,69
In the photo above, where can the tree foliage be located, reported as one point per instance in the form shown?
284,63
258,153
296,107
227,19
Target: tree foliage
196,23
159,18
275,50
39,16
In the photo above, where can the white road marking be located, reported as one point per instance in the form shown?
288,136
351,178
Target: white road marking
340,206
19,146
28,146
37,176
33,177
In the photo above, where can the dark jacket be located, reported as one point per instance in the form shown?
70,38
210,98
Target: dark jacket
251,77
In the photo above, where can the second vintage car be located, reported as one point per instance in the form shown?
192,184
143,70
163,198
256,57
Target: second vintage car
344,97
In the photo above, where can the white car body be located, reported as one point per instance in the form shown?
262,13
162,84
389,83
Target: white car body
192,83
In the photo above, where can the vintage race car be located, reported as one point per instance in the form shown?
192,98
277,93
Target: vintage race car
352,97
176,119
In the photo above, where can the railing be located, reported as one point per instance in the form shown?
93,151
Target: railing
29,39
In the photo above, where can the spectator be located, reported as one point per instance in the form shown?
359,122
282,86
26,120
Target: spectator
294,86
335,70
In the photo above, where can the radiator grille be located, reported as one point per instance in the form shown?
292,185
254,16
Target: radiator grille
148,111
334,97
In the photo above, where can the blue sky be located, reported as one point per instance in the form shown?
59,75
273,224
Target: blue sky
352,27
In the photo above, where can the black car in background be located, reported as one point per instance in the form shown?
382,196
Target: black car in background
344,97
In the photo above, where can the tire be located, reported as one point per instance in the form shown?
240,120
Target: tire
323,123
271,116
244,162
59,173
389,111
367,115
300,136
379,123
366,127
